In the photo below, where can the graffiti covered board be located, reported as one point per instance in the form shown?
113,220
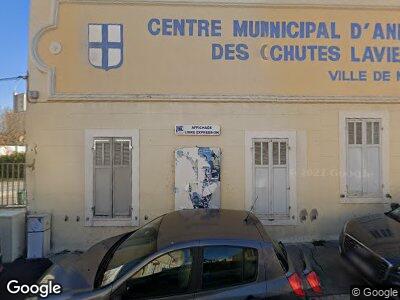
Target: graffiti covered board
197,177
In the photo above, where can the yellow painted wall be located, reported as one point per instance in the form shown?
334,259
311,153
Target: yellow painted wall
58,131
55,137
183,65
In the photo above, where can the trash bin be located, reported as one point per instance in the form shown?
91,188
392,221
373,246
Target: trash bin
38,227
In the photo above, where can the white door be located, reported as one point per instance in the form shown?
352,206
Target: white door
271,178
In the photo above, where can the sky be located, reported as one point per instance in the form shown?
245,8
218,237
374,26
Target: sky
14,20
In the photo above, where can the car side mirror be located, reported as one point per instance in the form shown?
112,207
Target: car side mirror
394,205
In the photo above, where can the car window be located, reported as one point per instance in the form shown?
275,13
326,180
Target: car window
280,252
168,274
225,266
141,243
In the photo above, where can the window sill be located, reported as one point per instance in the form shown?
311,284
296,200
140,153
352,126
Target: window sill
117,222
278,222
364,200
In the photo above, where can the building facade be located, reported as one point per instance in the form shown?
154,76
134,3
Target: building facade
287,108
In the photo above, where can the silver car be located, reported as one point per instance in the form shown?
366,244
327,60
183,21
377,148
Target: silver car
187,254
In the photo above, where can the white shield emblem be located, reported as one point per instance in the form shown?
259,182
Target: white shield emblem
105,45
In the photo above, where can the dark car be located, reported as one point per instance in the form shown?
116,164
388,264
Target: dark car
1,262
187,254
372,245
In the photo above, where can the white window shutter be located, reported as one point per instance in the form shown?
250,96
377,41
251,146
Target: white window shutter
371,178
271,178
257,153
262,190
122,177
354,171
279,183
363,177
102,187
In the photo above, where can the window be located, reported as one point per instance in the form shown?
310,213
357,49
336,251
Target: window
270,166
168,274
363,176
225,266
364,157
281,254
111,177
271,178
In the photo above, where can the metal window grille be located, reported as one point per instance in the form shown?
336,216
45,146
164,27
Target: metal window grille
12,184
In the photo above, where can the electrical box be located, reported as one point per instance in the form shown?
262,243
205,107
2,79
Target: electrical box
12,234
38,227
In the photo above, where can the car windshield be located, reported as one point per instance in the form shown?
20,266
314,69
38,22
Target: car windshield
394,214
141,243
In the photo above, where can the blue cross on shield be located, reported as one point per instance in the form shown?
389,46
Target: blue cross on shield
105,45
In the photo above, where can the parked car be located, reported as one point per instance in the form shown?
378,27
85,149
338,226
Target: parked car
372,245
1,262
187,254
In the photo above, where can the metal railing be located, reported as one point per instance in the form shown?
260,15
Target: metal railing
12,184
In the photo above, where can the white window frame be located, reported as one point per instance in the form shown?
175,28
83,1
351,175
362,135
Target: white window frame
249,176
90,219
384,119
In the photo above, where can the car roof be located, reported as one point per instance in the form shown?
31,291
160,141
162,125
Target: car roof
205,224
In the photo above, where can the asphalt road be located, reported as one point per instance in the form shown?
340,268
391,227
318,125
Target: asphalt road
336,274
25,271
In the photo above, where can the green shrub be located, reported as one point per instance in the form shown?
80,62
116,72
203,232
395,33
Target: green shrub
12,167
13,158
